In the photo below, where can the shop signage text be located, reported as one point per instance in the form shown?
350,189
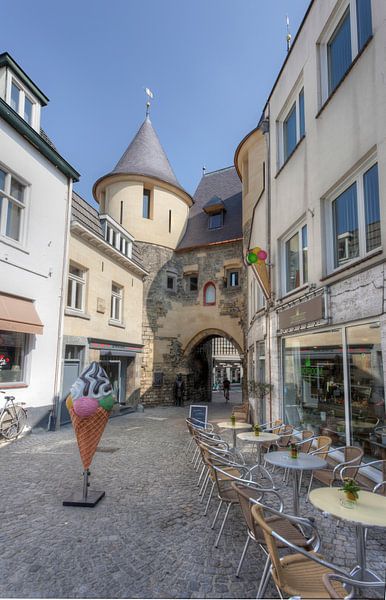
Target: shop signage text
309,311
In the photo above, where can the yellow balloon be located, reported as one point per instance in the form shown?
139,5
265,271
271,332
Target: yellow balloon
255,250
69,402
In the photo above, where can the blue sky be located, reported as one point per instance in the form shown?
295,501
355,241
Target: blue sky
210,63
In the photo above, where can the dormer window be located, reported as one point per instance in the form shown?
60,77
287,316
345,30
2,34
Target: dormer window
216,220
22,102
215,209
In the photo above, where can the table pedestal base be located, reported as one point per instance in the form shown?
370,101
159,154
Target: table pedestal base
360,572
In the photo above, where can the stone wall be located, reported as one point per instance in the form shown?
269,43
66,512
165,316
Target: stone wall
172,319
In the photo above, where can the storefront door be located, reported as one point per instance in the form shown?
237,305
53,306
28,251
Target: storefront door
113,371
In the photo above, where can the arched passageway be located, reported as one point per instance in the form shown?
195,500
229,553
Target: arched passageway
212,356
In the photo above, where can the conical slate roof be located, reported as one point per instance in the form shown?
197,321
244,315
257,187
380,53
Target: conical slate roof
145,156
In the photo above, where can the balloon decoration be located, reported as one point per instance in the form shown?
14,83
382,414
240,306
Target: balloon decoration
256,255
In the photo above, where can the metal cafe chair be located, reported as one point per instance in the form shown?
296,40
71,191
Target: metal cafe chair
192,424
301,531
227,495
334,585
211,456
299,574
352,459
379,487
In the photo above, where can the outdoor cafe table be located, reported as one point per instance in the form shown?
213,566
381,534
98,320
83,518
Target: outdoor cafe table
304,462
369,511
258,440
237,425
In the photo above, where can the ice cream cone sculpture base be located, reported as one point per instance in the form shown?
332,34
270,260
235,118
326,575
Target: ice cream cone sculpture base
89,498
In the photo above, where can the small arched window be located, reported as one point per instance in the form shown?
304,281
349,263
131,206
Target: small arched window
209,294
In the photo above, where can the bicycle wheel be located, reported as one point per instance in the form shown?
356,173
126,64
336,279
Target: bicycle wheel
13,422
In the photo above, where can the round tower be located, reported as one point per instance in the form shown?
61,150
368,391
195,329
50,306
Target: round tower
142,192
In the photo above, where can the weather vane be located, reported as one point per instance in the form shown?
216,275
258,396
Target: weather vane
289,37
149,95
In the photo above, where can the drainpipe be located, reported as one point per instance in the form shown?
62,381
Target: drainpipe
54,418
265,127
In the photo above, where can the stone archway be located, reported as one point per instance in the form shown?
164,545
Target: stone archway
199,356
208,333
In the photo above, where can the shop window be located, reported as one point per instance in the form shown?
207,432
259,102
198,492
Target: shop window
353,218
295,261
216,220
367,408
314,383
343,39
73,352
209,294
116,303
12,207
13,347
76,288
291,125
147,205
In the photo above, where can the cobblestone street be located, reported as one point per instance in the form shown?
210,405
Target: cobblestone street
147,538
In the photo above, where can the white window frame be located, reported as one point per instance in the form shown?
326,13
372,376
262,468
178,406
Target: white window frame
324,40
116,303
292,99
35,117
297,229
24,205
76,281
229,273
355,177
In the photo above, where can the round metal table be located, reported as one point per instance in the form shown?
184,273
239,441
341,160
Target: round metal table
304,462
235,427
369,511
258,440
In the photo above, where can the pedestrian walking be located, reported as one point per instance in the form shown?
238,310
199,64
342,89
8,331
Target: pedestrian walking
226,384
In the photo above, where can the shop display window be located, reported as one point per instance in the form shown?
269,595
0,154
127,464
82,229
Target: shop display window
366,389
12,353
314,386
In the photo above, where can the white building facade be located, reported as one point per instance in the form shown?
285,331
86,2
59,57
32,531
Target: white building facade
35,200
314,196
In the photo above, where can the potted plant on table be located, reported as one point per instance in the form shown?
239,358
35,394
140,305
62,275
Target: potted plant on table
256,429
350,490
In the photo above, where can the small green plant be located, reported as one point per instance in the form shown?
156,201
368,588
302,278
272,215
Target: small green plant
233,420
256,429
350,488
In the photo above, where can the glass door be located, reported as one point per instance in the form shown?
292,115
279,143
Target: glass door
113,371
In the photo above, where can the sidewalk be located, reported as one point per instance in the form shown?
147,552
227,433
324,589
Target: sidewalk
147,538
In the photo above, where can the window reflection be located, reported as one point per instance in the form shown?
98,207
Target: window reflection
313,384
366,388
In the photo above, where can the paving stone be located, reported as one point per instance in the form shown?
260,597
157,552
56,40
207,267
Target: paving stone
147,538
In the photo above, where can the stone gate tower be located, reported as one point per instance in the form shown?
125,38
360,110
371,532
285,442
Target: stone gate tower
143,194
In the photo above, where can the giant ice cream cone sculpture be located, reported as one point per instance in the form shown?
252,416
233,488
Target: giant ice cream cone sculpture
89,404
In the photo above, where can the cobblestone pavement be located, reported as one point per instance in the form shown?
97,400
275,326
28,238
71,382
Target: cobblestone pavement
147,538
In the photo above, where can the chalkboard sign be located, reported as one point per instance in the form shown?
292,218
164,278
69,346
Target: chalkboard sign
200,413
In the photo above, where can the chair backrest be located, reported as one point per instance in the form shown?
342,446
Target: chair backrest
259,518
306,443
285,431
355,454
244,494
322,445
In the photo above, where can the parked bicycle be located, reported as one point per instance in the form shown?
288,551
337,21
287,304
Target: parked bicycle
13,417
